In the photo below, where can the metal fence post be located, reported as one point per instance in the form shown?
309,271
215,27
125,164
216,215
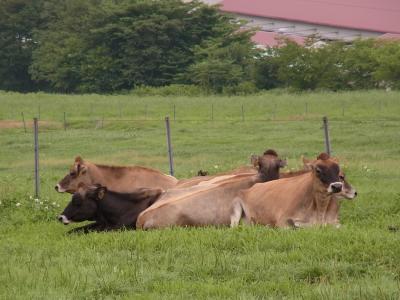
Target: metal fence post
171,161
242,112
36,133
326,131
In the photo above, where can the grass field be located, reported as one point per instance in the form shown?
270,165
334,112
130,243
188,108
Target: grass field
361,260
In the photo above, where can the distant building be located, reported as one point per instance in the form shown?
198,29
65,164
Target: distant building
328,19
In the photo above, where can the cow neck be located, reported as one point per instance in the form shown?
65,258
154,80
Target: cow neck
269,176
96,174
322,200
108,211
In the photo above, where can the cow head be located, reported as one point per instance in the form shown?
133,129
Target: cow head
83,205
327,172
77,174
268,164
347,192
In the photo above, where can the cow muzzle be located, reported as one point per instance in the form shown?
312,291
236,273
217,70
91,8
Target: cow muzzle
63,219
59,189
335,187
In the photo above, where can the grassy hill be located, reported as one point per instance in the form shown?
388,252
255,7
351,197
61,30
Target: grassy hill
358,261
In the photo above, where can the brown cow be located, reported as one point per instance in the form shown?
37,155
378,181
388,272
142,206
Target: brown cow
208,202
119,179
303,200
203,175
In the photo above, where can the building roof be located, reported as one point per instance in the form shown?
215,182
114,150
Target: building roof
369,15
271,39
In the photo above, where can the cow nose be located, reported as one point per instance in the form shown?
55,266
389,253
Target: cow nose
60,218
56,187
355,194
336,187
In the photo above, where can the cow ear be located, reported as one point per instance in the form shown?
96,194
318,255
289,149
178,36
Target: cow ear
255,160
335,159
282,163
101,191
307,163
78,160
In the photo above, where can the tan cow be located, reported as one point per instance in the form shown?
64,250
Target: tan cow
118,179
189,182
303,200
209,202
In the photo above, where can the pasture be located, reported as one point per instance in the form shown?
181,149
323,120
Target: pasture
361,260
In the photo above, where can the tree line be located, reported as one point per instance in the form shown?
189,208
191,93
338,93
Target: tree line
109,46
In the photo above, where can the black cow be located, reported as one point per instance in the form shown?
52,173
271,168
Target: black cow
110,210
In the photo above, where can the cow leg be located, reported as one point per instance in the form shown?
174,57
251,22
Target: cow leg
237,212
87,228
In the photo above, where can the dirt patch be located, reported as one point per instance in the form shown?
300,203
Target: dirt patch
10,124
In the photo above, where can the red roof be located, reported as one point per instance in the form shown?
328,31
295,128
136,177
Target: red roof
370,15
271,39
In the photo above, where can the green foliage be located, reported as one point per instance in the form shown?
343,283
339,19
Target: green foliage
108,46
388,64
18,19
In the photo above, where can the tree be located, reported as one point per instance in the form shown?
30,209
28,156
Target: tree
18,19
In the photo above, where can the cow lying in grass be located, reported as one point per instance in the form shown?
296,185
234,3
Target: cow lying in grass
298,201
208,202
119,179
110,210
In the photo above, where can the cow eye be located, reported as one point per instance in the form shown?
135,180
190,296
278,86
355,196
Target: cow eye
341,177
318,170
72,174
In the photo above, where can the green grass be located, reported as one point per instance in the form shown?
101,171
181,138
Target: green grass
361,260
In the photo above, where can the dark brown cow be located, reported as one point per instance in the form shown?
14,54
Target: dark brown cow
303,200
119,179
110,210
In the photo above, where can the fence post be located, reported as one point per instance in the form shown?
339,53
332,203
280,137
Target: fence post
306,108
171,161
212,111
36,133
39,112
65,121
23,121
242,112
326,131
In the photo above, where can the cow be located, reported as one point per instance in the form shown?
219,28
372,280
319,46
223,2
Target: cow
209,201
110,210
203,176
119,179
307,199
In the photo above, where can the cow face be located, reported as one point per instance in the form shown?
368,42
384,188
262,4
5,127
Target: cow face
328,173
77,175
83,205
269,164
348,192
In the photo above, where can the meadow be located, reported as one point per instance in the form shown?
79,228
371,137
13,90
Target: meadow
39,260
